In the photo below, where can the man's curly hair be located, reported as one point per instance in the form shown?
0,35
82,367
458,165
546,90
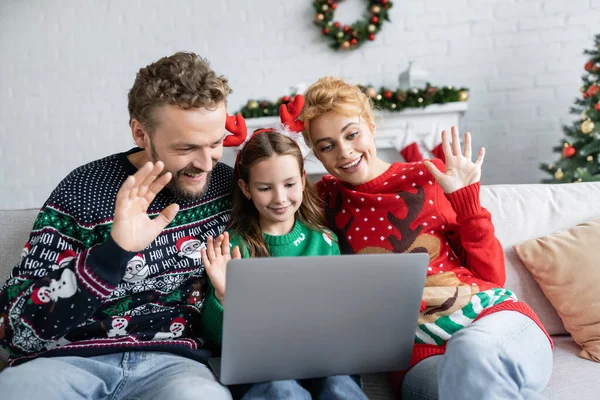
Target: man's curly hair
183,79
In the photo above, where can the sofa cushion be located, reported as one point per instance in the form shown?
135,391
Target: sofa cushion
522,212
566,265
572,377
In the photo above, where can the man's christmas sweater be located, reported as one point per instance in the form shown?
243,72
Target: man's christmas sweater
76,292
405,211
301,241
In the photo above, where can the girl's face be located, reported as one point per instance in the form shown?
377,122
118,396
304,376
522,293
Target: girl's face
275,187
346,147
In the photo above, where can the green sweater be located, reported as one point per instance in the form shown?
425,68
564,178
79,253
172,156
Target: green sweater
301,241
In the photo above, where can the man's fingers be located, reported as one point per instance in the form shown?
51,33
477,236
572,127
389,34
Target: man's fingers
166,216
157,186
156,169
123,193
210,248
225,244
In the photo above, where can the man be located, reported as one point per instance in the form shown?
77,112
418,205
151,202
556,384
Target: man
109,300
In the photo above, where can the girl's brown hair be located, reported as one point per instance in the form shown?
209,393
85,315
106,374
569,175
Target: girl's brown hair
244,216
334,94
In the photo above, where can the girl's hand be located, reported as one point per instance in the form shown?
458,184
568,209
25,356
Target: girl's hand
460,170
215,258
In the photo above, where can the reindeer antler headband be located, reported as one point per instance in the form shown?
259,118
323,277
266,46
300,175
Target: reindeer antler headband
290,126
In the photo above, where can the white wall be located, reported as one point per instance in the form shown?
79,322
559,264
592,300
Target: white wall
67,66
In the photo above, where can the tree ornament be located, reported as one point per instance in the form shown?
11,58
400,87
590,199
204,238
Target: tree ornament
590,158
589,66
587,126
463,95
597,106
252,104
568,151
592,90
387,94
559,174
356,33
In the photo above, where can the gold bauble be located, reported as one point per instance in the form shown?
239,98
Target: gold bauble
371,92
319,17
325,7
265,110
252,104
375,9
463,95
346,45
590,158
401,96
587,126
340,34
559,174
371,28
393,105
420,99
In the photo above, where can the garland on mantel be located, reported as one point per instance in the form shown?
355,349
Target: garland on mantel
383,99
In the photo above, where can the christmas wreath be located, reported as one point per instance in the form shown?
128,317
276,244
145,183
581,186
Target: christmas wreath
351,36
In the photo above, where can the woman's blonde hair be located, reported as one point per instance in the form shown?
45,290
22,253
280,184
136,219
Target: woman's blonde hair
334,94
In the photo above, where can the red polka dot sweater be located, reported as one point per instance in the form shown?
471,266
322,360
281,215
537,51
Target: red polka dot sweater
404,210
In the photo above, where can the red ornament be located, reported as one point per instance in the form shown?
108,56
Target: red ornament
346,28
569,151
264,104
592,90
589,65
387,94
337,25
333,6
585,95
375,19
325,31
597,106
354,41
330,2
285,99
372,36
384,2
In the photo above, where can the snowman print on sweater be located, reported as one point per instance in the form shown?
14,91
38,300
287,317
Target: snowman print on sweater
118,326
62,288
175,330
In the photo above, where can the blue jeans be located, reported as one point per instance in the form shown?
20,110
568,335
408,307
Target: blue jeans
332,387
504,355
133,375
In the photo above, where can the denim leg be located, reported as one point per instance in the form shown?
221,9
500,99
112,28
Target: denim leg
338,387
165,376
281,390
420,382
504,355
59,378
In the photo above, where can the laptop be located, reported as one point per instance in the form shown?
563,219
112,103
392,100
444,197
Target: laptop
308,317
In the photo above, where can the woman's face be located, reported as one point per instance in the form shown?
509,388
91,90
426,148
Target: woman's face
346,147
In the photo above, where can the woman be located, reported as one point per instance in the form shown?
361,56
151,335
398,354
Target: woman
474,339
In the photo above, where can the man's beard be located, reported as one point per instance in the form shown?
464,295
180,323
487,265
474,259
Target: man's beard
175,185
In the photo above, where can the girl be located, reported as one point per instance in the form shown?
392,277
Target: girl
474,339
275,213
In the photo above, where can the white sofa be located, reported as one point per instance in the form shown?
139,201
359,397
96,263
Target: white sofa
519,212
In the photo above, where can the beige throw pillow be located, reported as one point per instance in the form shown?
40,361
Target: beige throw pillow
566,265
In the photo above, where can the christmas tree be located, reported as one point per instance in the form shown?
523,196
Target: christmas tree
580,150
